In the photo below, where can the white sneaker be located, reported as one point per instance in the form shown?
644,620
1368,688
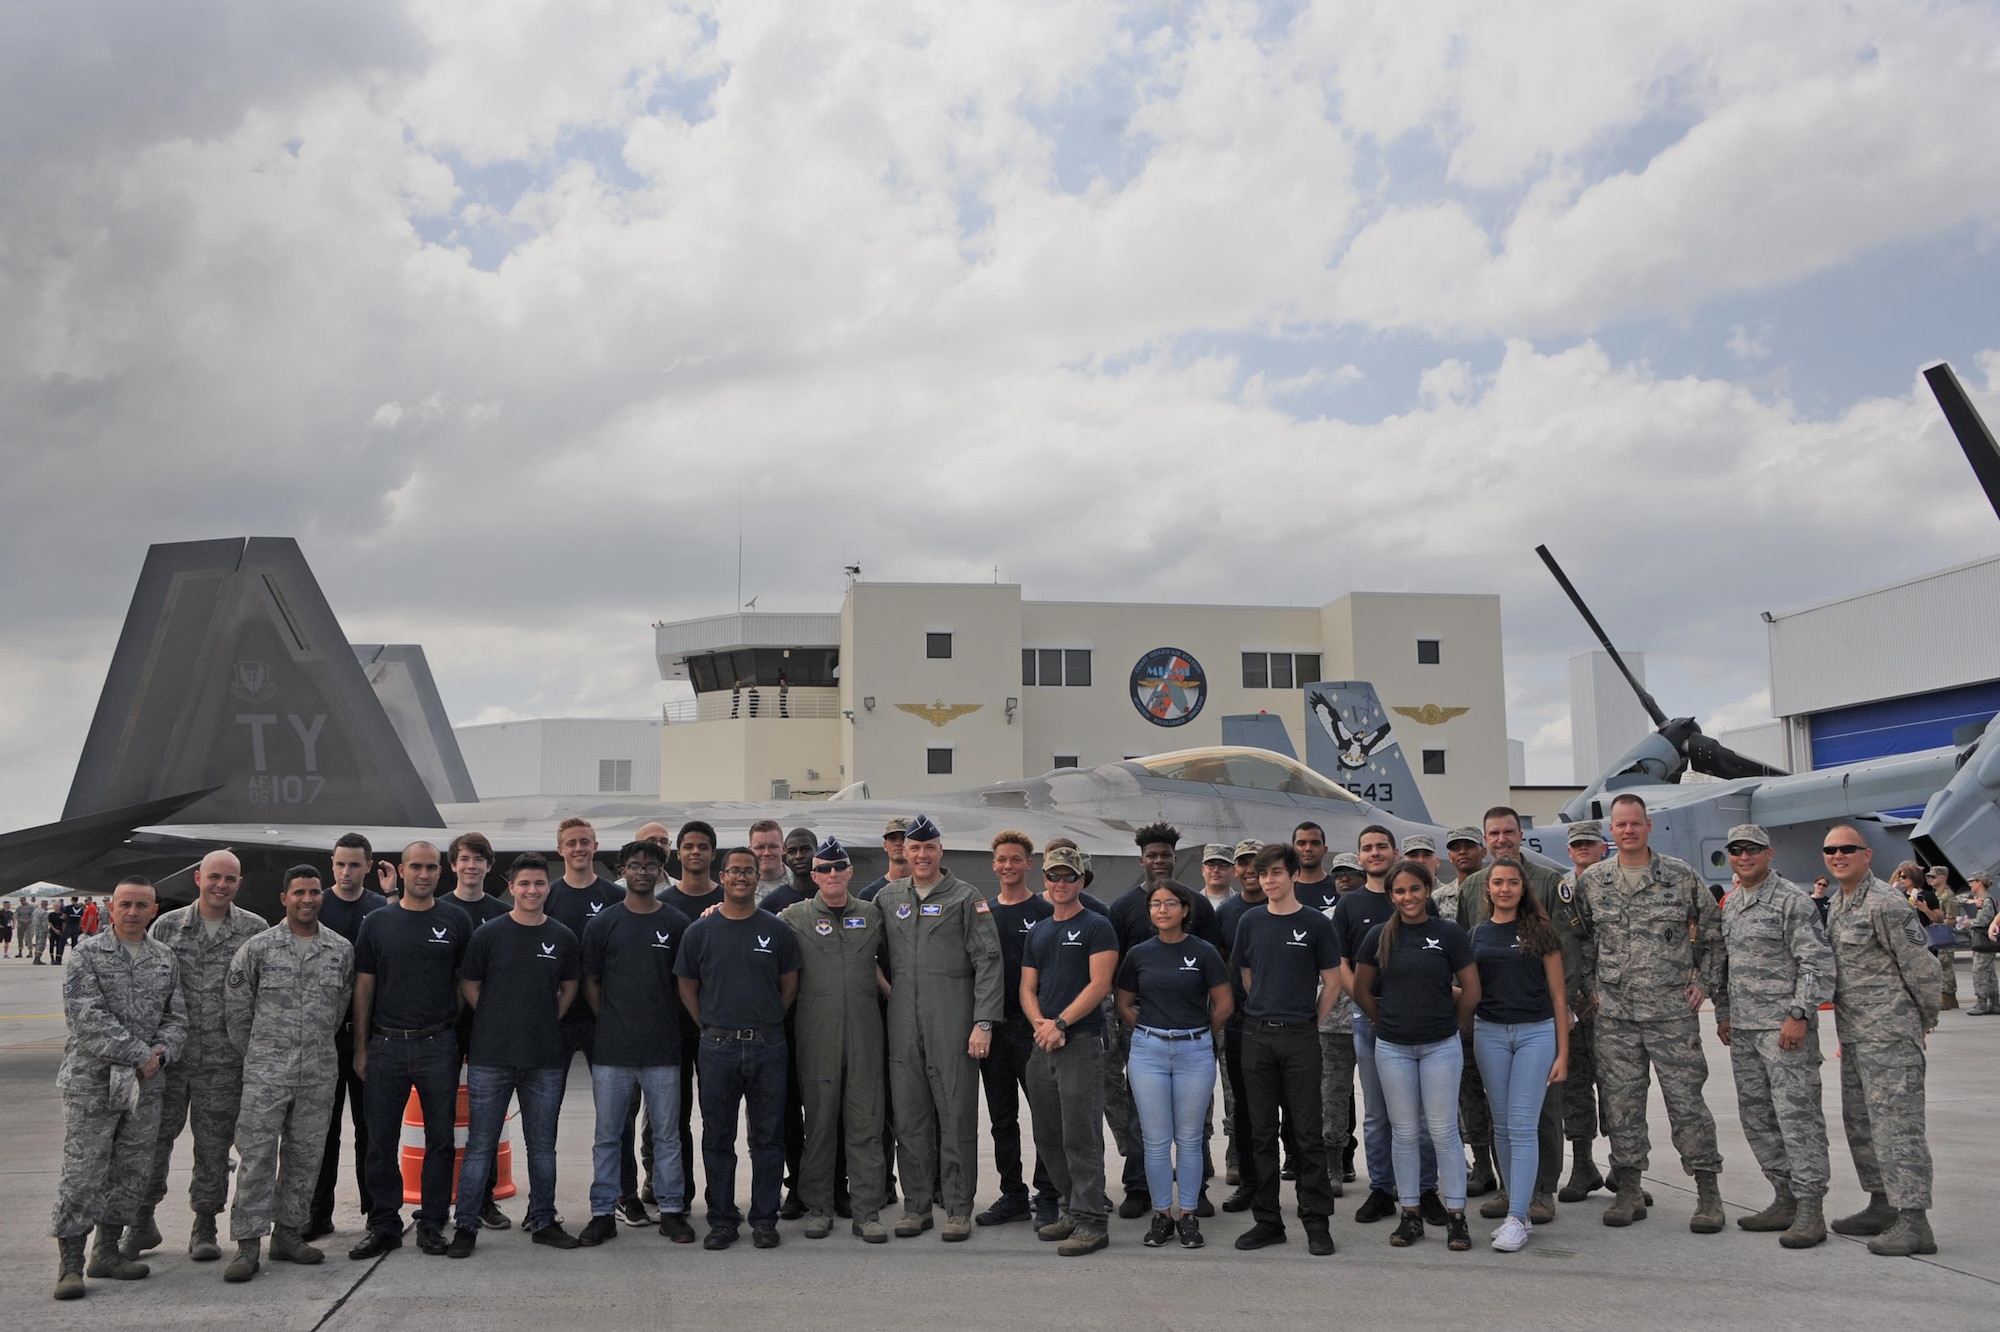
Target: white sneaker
1512,1236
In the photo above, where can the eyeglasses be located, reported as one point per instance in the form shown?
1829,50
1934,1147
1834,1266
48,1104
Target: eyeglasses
1061,876
1746,849
832,866
740,872
1844,849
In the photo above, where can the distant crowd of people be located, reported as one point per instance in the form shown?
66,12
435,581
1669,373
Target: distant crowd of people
1508,1011
45,929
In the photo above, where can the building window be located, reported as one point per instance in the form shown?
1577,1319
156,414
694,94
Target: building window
937,646
1065,761
1433,763
1427,652
1056,666
937,761
614,776
1280,670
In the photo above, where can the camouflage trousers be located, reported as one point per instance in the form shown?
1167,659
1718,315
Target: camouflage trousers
1948,964
1882,1108
280,1138
1475,1115
1985,992
1778,1098
1118,1111
1336,1092
209,1099
1228,1103
1627,1054
106,1153
1579,1094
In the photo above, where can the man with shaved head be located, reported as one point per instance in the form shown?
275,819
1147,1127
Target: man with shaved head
204,1087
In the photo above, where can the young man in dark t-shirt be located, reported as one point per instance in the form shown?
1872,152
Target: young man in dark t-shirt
1004,1071
470,859
520,972
1289,964
1228,916
738,971
696,892
348,900
406,960
1067,967
628,979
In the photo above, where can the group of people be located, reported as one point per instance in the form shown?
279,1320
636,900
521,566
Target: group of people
1505,1011
32,927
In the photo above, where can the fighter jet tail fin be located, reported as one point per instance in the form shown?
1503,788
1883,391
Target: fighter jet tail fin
233,682
1349,738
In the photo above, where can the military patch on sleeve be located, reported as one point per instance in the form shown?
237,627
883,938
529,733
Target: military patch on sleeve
73,983
980,905
237,980
1913,931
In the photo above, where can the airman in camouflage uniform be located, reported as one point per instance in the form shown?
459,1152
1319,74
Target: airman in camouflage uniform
33,929
1886,992
1655,947
205,1086
122,1003
1780,970
1985,992
288,990
1579,1092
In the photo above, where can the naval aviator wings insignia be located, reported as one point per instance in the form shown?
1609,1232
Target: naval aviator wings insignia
939,712
1430,714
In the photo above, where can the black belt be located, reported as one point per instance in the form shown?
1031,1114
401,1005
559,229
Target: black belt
738,1033
415,1033
1160,1035
1269,1025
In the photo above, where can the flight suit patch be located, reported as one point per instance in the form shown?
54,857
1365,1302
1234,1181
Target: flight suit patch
903,911
981,907
822,927
855,922
933,909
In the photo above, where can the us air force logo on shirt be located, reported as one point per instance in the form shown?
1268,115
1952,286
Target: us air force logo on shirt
661,938
595,907
1433,945
763,944
548,953
1074,939
1298,939
822,927
903,911
1188,964
441,934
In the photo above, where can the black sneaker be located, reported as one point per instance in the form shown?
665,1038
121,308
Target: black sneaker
492,1218
1190,1230
1319,1240
633,1213
1008,1208
1202,1206
764,1237
1240,1200
1261,1235
791,1209
461,1244
719,1237
674,1225
1457,1237
1377,1206
431,1240
1432,1207
555,1236
1135,1205
1046,1212
1162,1232
1410,1231
600,1229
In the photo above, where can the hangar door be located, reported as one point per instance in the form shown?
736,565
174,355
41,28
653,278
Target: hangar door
1899,725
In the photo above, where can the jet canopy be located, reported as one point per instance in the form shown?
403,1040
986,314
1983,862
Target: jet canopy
1241,766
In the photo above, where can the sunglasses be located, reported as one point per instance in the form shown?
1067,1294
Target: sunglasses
1844,849
1745,849
832,866
1061,876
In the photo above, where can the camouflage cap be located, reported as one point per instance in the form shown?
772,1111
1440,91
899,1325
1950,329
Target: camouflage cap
1936,871
1463,833
1748,832
1064,857
1419,842
1217,853
1585,830
896,827
1249,846
1345,863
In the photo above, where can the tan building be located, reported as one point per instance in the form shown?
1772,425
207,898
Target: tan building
917,687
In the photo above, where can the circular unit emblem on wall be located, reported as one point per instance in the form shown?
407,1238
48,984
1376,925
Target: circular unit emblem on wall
1168,687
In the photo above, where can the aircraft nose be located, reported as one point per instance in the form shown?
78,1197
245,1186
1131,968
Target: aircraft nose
1961,825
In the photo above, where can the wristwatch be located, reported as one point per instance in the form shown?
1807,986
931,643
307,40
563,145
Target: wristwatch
984,1026
1796,1013
1062,1024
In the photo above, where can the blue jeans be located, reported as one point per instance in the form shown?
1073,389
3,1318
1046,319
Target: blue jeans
1420,1089
1375,1119
1171,1082
486,1091
611,1088
750,1075
1514,1062
394,1067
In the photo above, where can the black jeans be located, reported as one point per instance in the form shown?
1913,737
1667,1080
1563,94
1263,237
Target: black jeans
582,1035
347,1090
430,1066
750,1075
1281,1075
1003,1074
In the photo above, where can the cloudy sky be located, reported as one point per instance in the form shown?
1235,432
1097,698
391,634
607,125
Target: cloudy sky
498,308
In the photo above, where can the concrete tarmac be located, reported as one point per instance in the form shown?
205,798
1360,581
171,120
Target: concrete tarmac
1575,1273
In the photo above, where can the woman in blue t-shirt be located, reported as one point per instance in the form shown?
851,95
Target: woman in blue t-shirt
1520,1033
1173,991
1414,978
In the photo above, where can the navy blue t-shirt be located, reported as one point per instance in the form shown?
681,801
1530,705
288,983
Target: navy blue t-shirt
1513,983
1320,896
344,918
1359,912
1014,920
1131,915
632,958
1414,1000
520,968
414,957
739,964
1172,981
690,905
1284,956
488,907
1060,953
576,908
868,890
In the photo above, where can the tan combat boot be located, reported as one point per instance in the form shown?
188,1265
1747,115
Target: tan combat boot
1909,1235
288,1247
202,1246
245,1264
69,1267
1708,1214
106,1261
1630,1203
1778,1216
1873,1219
1808,1227
141,1235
